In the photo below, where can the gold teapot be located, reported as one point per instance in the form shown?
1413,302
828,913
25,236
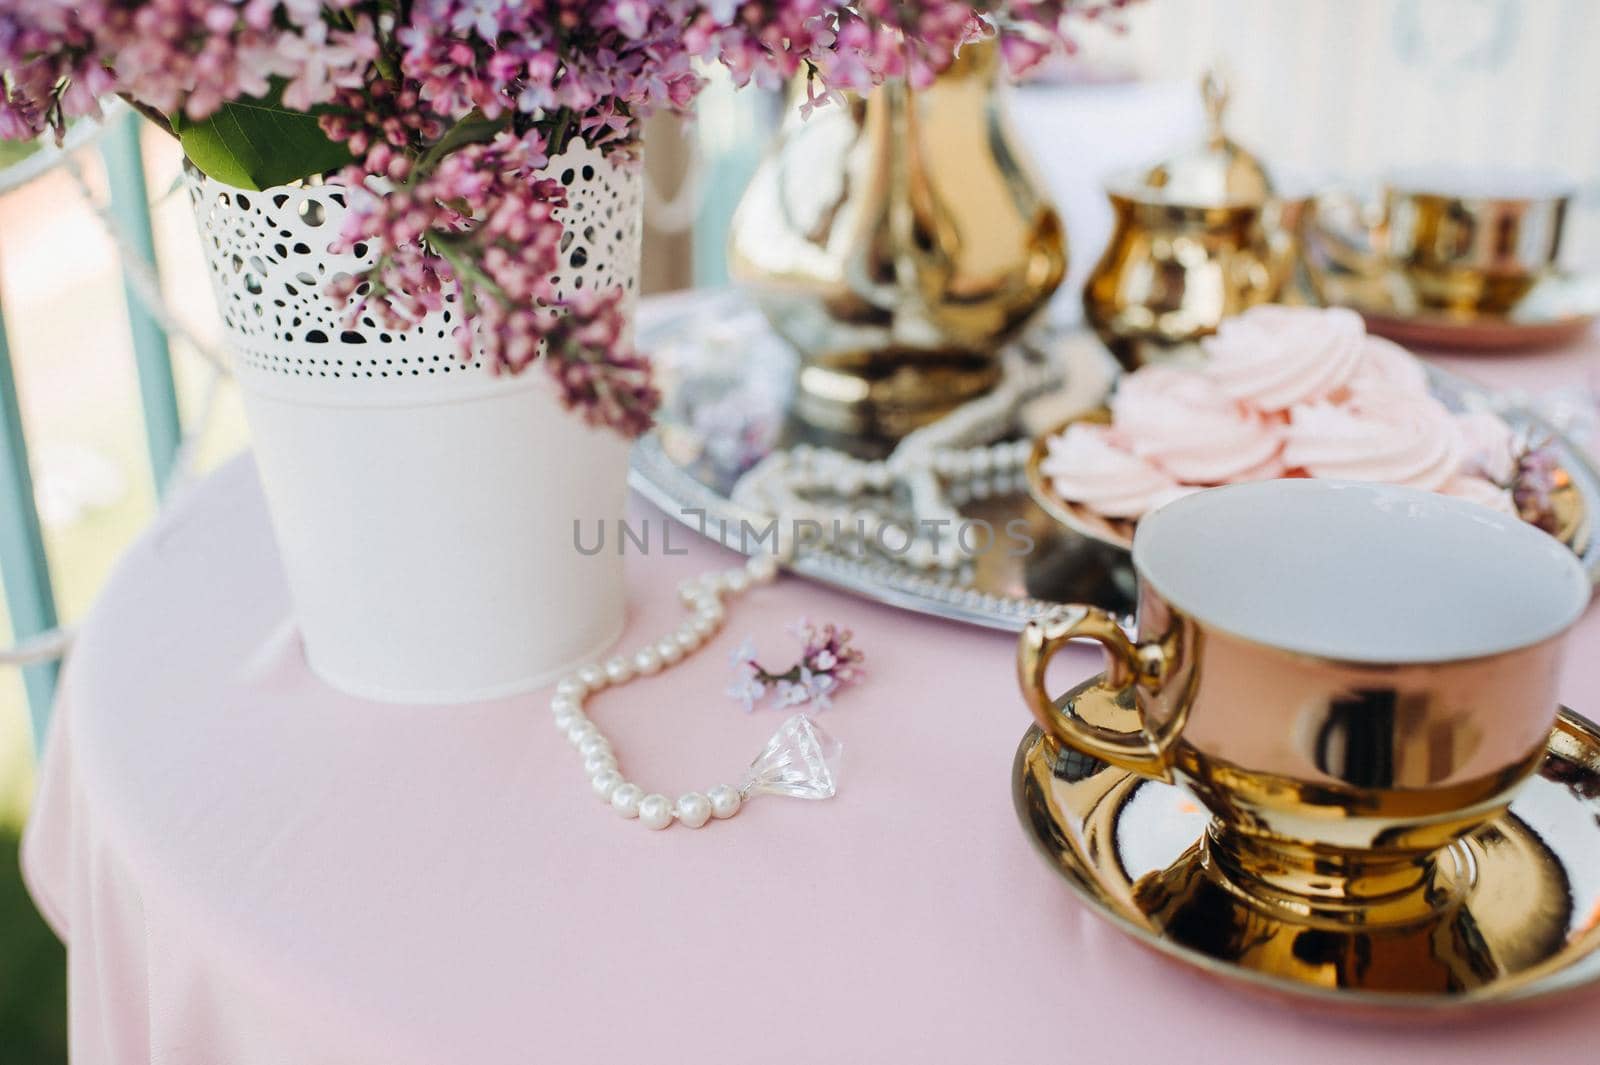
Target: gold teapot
897,240
1196,239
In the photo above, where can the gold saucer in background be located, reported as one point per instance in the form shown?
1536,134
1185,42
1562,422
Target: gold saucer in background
1559,309
1526,924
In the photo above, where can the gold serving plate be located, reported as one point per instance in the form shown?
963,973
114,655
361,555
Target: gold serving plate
1523,922
1570,512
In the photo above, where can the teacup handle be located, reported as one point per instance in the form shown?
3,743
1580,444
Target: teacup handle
1352,232
1147,752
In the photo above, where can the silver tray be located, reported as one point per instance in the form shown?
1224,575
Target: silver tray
727,385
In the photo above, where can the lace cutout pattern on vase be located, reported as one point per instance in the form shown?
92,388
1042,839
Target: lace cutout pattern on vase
270,263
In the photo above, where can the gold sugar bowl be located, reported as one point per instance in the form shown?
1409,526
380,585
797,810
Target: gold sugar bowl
1196,239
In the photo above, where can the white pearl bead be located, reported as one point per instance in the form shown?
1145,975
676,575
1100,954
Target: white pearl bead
713,613
669,651
590,744
599,761
703,626
563,702
735,581
580,729
693,809
572,688
564,717
646,661
625,799
724,800
606,784
655,811
593,677
689,590
688,639
618,670
711,584
762,569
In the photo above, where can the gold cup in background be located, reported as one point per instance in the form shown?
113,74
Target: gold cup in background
1467,242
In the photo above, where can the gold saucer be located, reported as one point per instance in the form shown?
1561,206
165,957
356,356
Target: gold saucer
1559,309
1525,923
1568,506
1114,532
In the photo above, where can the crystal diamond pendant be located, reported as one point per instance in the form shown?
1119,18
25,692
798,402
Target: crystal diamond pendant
800,761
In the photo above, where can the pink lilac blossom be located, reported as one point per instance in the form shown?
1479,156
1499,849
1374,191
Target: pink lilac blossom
451,107
827,664
1538,478
176,57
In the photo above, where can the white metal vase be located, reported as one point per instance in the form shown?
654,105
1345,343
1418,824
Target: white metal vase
426,509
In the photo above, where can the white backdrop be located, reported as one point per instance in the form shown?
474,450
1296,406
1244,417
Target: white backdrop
1348,88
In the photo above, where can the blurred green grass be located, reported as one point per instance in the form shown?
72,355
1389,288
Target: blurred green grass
33,963
15,151
33,973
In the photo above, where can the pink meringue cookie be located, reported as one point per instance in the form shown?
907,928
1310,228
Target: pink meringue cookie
1388,367
1270,470
1183,423
1276,357
1478,490
1489,446
1393,439
1086,466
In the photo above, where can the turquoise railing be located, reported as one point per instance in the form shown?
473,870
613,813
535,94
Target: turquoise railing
731,137
24,567
130,206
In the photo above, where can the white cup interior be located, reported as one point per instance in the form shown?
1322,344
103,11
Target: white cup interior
1360,572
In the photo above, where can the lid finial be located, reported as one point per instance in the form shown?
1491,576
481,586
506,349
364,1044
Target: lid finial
1217,171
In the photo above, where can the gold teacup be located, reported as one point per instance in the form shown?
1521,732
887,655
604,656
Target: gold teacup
1461,242
1349,677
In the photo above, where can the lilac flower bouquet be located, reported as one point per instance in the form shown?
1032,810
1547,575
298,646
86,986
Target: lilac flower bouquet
445,113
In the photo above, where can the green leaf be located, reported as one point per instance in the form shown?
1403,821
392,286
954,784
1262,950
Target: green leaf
257,143
472,128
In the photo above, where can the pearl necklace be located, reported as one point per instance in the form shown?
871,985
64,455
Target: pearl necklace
800,760
934,465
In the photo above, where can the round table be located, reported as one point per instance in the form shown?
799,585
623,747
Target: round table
249,867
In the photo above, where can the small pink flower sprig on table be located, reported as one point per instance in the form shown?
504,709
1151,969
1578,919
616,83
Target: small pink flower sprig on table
827,664
443,114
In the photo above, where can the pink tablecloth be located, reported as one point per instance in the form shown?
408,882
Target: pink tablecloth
250,868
